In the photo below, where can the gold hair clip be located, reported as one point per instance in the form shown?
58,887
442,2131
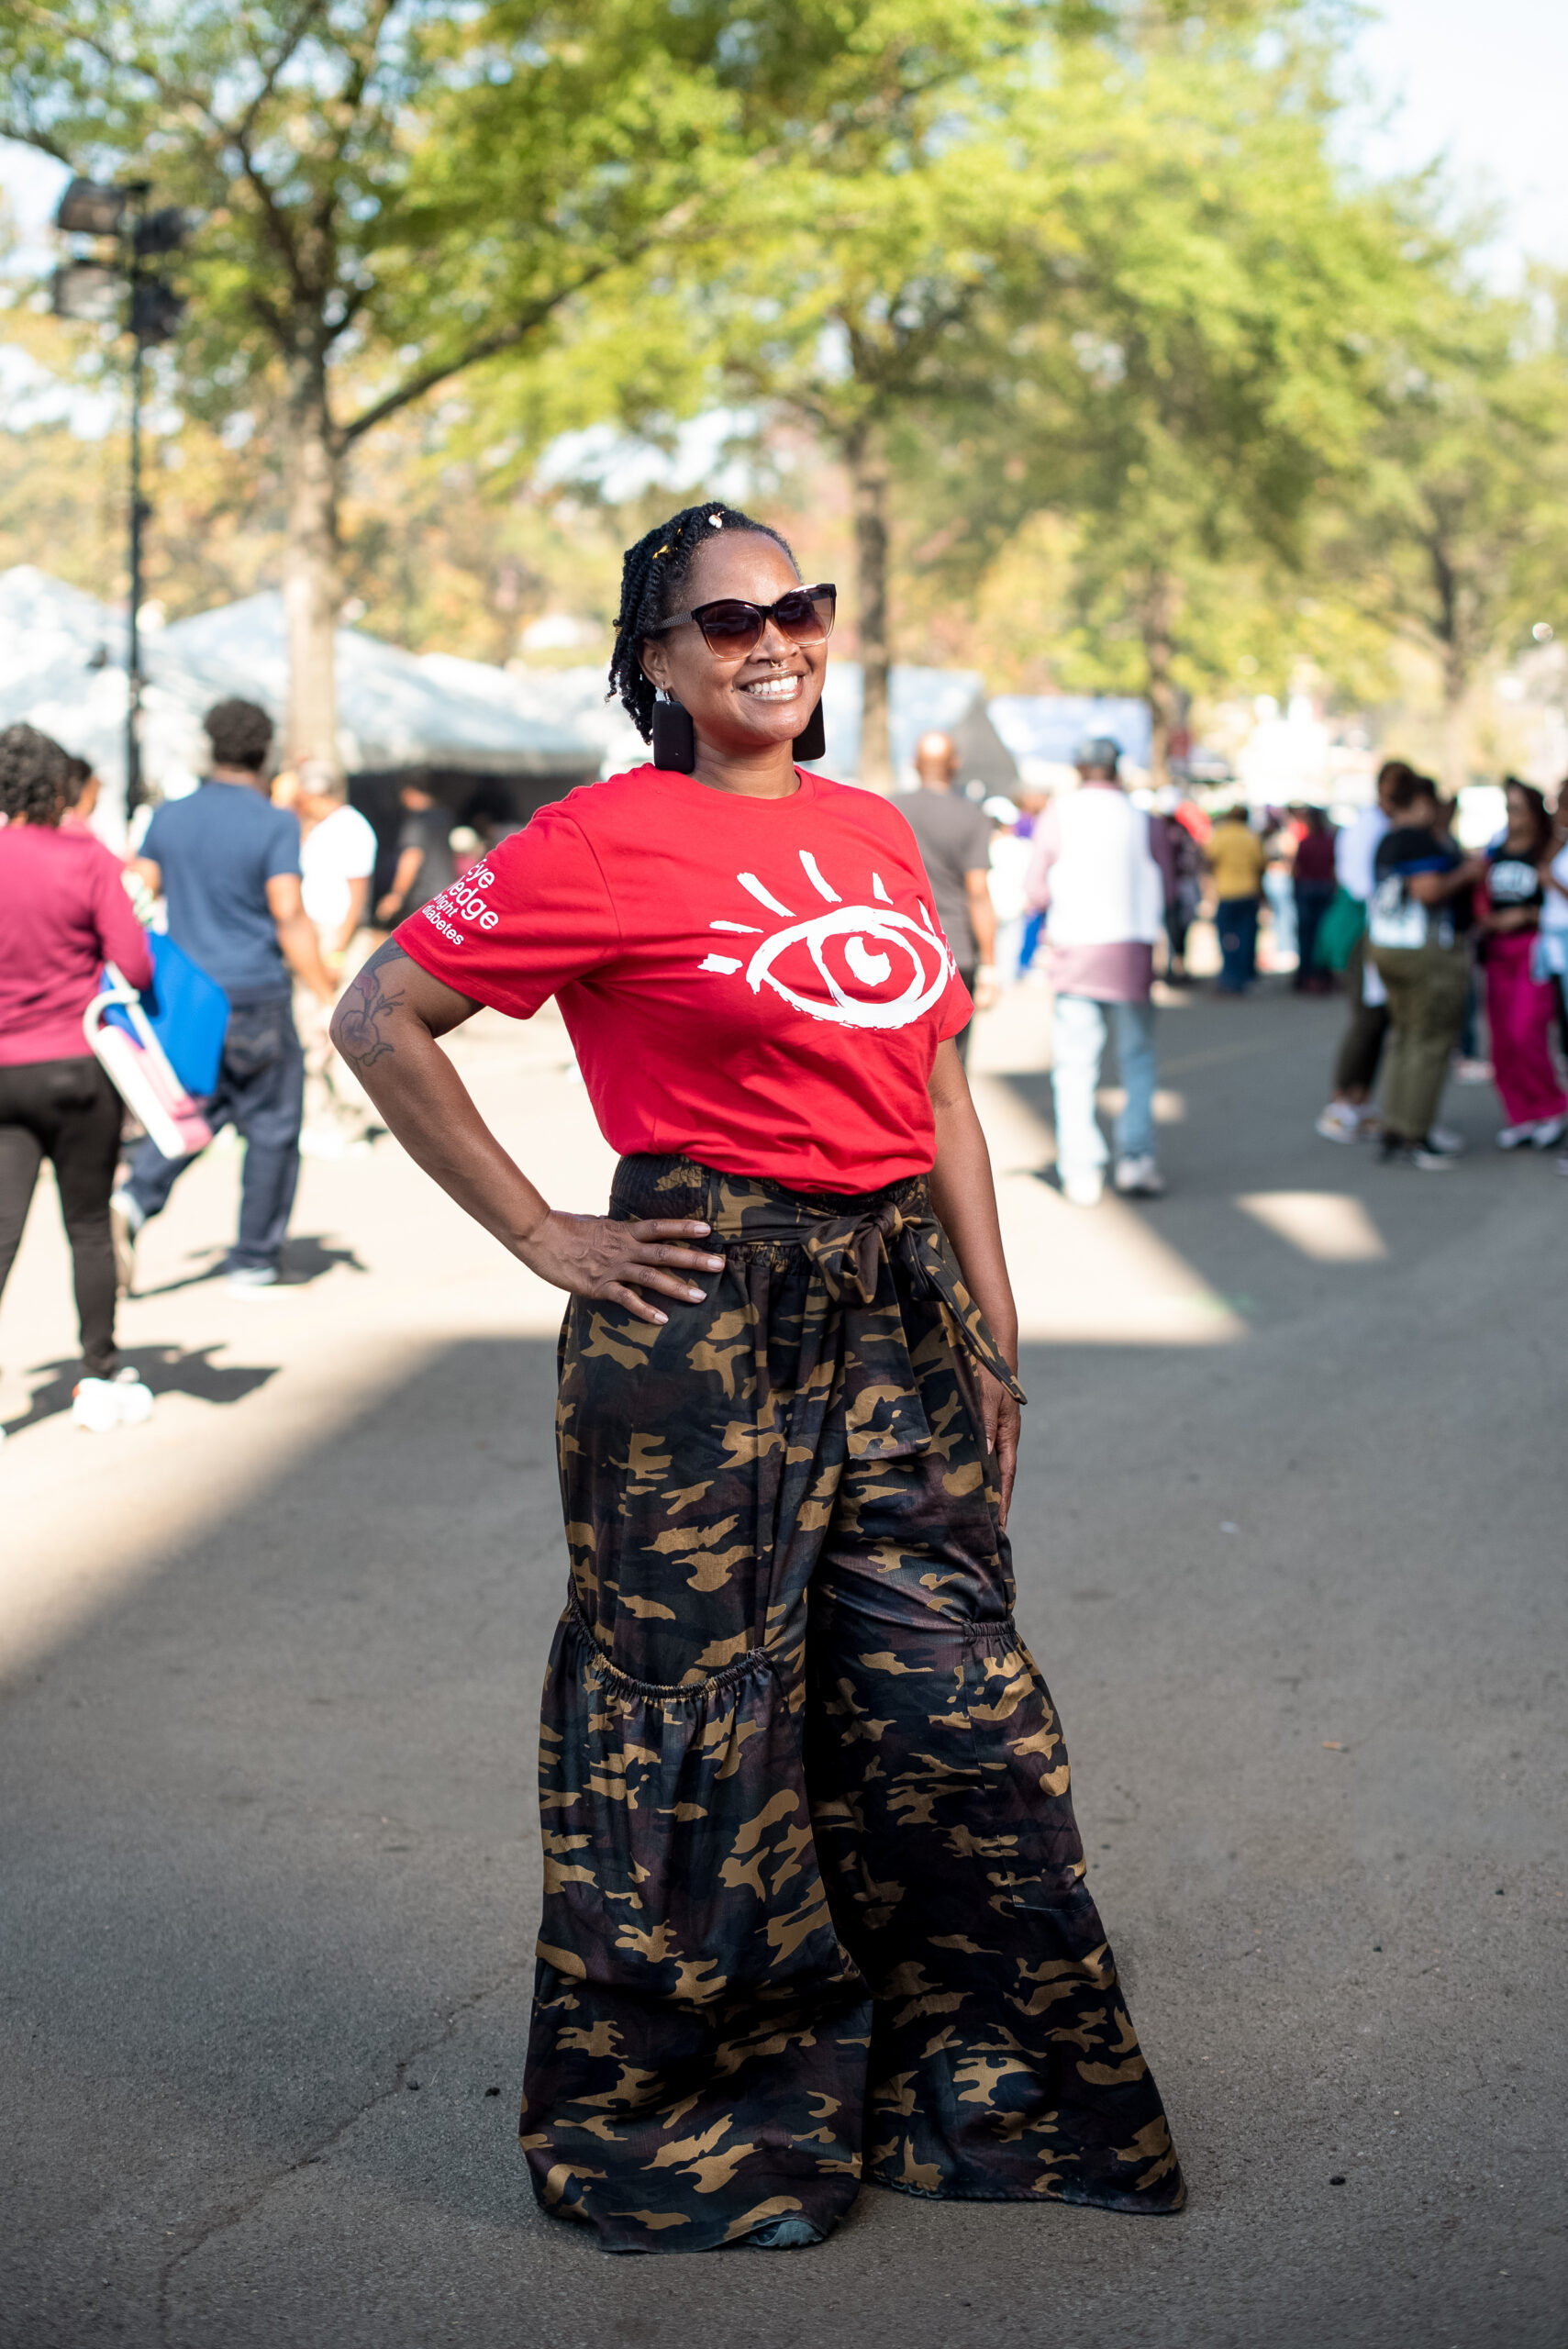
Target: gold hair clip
659,551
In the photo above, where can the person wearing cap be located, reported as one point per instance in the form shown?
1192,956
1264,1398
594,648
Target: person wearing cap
1105,878
954,839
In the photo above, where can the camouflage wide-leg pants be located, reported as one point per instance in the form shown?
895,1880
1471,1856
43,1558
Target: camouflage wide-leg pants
813,1903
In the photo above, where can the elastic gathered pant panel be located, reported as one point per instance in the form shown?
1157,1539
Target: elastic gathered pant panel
814,1896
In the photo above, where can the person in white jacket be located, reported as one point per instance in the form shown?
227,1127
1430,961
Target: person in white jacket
1105,878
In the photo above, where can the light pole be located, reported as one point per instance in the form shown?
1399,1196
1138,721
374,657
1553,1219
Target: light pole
94,289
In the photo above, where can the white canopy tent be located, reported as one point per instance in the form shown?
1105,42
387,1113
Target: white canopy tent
63,668
573,698
392,711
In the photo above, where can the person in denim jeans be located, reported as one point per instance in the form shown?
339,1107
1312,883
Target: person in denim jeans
227,863
1237,861
1106,879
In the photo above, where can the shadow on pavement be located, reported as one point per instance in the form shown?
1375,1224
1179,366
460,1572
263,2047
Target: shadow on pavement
306,1257
168,1370
290,1834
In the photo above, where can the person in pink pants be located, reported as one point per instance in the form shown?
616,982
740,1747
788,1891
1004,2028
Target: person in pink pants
1519,1007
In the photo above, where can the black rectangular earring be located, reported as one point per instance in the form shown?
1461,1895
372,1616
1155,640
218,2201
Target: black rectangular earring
674,738
811,742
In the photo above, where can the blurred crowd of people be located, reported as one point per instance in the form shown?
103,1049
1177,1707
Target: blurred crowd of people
266,883
1099,890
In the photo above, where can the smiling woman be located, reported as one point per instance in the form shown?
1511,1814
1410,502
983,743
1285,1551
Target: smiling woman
811,1869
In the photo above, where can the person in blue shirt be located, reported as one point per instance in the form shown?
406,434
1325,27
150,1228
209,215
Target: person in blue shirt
226,862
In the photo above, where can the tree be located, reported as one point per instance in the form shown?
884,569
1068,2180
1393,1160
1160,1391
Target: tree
1206,357
390,195
1098,261
857,314
1456,536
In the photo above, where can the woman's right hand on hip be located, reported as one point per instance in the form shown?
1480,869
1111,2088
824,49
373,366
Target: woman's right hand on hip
593,1255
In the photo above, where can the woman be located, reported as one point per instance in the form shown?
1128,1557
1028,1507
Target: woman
1518,1003
62,915
811,1870
1312,879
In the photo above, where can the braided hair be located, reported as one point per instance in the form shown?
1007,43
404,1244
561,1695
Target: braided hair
33,776
652,573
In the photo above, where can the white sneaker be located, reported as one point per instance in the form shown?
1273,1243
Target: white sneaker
1515,1137
135,1397
99,1404
248,1280
1549,1133
1445,1141
1340,1121
1084,1190
1139,1178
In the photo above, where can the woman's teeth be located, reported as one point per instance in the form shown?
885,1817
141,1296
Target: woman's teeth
774,688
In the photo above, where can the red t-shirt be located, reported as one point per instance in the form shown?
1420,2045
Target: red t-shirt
759,984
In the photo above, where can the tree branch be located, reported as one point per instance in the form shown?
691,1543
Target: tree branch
278,226
291,41
27,135
488,346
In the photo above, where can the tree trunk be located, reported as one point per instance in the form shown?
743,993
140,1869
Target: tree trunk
868,471
1456,721
311,588
1451,633
1159,621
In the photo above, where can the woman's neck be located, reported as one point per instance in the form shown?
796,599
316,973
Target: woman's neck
767,773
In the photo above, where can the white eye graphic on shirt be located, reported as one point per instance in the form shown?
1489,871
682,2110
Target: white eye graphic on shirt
868,946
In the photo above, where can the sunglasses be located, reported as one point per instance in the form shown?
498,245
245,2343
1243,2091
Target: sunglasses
735,628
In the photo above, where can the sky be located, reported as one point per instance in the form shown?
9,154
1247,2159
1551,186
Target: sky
1486,81
1481,82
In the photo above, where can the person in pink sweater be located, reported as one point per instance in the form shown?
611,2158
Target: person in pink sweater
63,913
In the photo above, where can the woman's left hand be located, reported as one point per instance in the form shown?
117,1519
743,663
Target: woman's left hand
1003,1421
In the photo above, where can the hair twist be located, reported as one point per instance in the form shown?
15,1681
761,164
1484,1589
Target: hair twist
653,573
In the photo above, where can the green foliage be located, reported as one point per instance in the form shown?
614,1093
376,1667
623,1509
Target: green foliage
1124,367
387,192
1456,536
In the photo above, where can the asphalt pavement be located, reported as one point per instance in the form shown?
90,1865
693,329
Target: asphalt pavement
1291,1549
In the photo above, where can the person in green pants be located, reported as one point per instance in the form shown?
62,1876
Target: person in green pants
1418,927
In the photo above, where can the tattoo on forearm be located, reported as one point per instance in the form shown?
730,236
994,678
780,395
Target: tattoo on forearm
360,1029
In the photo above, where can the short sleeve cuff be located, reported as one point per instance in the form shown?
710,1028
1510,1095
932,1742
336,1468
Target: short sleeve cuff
957,1011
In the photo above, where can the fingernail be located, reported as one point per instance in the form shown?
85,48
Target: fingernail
660,1317
696,1295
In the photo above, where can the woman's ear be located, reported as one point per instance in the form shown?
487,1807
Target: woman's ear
653,658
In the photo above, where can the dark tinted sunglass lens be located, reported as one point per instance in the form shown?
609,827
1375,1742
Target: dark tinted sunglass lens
730,626
807,619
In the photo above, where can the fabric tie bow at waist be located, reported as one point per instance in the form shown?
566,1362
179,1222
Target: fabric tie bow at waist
849,1251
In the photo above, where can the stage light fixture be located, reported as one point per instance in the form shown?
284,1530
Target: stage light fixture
88,291
88,208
